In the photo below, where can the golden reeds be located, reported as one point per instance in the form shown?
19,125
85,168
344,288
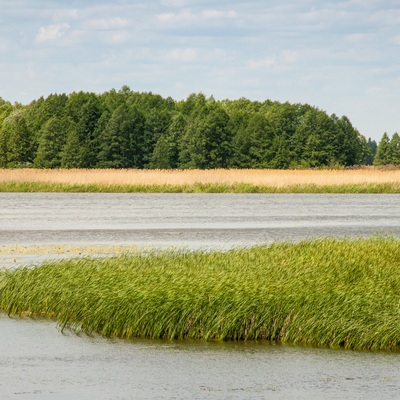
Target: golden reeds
274,178
364,180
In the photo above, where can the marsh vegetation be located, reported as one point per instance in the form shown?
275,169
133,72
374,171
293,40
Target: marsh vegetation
336,293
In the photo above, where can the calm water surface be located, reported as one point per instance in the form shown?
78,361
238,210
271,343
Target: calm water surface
37,361
193,220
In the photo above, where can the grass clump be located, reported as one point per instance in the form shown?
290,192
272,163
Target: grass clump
328,292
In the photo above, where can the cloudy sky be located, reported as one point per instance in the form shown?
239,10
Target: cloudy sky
341,56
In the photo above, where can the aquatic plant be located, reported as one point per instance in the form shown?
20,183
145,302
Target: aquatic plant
328,292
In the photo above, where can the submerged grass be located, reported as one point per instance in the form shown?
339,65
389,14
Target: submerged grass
328,292
373,188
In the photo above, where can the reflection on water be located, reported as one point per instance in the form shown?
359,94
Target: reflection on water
38,361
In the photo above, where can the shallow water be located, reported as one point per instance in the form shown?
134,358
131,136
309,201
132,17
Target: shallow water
37,361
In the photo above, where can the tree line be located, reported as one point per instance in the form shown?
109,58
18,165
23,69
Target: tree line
127,129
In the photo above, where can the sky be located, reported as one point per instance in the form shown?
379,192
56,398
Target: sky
340,56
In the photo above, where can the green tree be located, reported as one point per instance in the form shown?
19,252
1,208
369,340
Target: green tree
5,110
72,154
349,145
137,143
282,157
394,149
161,158
206,142
284,120
16,146
312,143
55,105
3,147
382,156
115,141
156,126
113,99
166,150
20,143
370,152
87,133
253,145
238,122
121,141
52,138
194,104
314,152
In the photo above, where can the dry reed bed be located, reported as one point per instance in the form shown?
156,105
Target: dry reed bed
271,178
337,293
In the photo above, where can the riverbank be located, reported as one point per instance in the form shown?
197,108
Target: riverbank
364,180
335,293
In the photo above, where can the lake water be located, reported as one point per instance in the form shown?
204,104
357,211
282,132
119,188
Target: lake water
193,220
37,361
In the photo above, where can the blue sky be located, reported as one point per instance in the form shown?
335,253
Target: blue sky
341,56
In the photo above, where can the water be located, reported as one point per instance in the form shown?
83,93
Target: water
37,361
192,220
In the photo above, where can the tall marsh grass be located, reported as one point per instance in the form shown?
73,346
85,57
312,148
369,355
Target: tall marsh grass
365,180
337,293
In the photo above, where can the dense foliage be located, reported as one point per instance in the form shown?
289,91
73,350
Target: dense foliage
126,129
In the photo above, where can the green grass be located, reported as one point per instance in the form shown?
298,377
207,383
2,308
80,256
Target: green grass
198,188
335,293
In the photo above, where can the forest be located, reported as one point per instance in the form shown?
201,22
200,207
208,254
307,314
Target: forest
128,129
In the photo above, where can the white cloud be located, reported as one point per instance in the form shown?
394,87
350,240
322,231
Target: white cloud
188,15
289,56
358,37
65,14
166,17
387,17
218,14
182,55
174,3
3,45
267,62
51,32
274,62
118,37
374,91
108,24
183,16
